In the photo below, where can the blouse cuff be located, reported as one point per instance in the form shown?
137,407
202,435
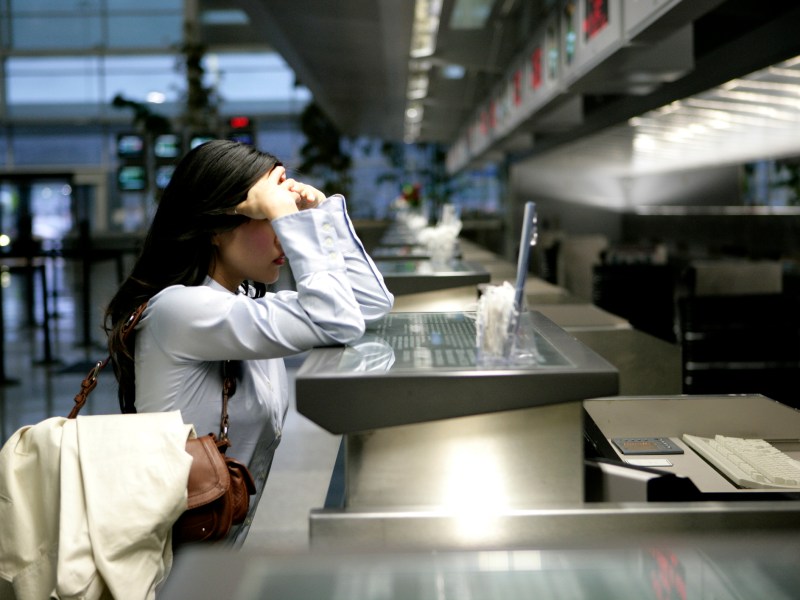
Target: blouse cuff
336,207
310,241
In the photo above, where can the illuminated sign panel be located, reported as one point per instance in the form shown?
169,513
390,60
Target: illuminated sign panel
536,64
595,18
569,31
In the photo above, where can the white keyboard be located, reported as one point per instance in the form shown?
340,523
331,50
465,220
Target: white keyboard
749,463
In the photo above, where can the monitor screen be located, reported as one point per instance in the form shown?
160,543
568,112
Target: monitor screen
167,145
200,138
243,137
130,146
163,175
131,178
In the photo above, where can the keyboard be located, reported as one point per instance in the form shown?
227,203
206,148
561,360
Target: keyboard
749,463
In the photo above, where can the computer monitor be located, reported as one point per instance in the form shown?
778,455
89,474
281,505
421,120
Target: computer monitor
163,175
130,146
167,146
200,138
131,178
243,137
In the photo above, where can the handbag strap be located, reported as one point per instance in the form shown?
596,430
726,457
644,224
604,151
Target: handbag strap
90,381
228,389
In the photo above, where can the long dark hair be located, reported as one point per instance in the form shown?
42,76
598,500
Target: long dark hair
207,183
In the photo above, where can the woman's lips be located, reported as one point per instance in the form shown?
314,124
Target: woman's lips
280,260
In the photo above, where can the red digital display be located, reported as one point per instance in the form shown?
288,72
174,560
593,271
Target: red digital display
536,64
667,575
596,17
239,122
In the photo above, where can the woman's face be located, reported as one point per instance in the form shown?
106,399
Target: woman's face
251,252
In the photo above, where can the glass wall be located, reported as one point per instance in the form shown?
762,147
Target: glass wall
63,62
87,24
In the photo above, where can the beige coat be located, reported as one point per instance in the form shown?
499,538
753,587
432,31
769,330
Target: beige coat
87,505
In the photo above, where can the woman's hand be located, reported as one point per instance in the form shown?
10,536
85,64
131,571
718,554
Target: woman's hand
271,197
310,197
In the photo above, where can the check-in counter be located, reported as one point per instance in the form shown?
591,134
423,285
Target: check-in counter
441,462
509,480
407,252
465,298
498,500
414,276
426,426
398,234
647,365
419,367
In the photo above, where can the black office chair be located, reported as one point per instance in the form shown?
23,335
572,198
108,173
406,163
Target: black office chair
644,294
741,344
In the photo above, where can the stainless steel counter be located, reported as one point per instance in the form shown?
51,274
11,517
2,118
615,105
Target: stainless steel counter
417,367
514,478
469,465
647,365
413,276
584,525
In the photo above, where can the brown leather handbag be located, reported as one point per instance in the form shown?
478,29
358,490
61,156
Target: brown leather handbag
219,487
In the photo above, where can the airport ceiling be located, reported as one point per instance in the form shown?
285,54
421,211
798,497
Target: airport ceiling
354,57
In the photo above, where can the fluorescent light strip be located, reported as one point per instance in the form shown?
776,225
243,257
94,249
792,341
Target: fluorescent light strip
760,99
781,72
736,84
731,107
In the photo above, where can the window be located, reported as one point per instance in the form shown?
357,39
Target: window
87,24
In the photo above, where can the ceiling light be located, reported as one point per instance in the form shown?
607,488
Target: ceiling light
425,28
423,44
772,86
761,99
783,72
417,86
156,97
453,72
742,107
414,112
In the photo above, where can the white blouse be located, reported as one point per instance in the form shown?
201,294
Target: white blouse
186,332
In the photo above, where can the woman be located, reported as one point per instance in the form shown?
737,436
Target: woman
224,227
